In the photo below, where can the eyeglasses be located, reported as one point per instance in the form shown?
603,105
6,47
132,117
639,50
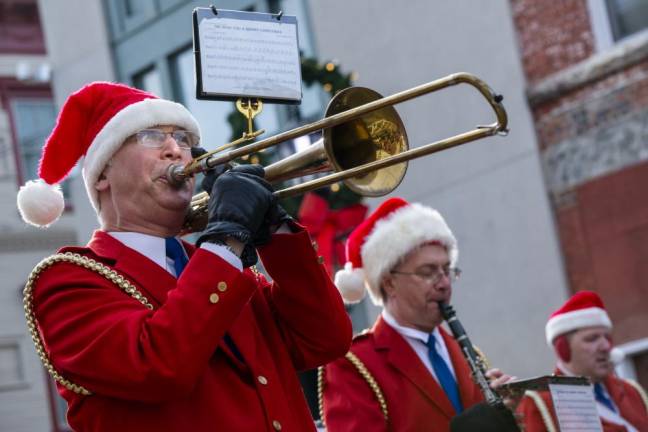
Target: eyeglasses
432,277
155,138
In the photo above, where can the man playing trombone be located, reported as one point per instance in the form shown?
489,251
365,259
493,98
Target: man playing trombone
145,332
406,374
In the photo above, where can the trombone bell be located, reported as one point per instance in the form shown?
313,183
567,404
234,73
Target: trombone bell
372,137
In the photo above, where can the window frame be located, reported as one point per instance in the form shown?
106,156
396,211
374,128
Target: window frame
602,27
10,90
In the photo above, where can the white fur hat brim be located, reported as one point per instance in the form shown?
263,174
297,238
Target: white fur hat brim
133,118
574,320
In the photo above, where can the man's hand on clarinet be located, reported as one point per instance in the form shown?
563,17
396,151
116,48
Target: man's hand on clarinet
497,378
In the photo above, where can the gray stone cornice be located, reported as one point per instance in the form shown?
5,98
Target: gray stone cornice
621,56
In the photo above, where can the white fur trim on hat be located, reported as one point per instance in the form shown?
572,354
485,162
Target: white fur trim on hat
133,118
40,204
351,283
396,235
568,321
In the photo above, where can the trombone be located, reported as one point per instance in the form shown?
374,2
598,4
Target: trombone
364,143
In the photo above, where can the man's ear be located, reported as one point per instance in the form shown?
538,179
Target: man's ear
102,183
563,350
387,285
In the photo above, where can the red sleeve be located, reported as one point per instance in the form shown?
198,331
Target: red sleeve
103,339
349,403
307,306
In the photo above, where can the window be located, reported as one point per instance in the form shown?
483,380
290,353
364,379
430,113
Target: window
7,160
20,29
34,120
627,17
150,81
616,20
12,368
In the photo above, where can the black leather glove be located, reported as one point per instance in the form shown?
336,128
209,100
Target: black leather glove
277,216
238,207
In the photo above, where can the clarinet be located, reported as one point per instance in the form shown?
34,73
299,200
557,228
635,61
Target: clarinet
475,361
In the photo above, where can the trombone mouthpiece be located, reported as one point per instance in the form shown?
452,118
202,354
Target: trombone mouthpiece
176,176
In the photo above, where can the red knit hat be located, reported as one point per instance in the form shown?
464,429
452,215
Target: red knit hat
94,122
583,309
394,229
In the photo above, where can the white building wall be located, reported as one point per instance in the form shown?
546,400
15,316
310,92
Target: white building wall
491,192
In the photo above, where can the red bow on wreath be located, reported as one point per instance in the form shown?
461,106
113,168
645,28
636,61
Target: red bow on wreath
329,228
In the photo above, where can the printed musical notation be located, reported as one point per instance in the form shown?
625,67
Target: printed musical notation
252,58
575,408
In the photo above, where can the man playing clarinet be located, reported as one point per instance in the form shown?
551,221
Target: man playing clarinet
406,373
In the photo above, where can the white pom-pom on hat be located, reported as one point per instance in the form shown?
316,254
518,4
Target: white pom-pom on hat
351,283
40,204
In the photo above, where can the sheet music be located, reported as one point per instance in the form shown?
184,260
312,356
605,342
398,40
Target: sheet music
575,408
250,57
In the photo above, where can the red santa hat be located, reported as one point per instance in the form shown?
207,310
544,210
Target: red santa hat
393,230
583,309
93,123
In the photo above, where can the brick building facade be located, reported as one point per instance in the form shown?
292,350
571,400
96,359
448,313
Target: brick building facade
589,101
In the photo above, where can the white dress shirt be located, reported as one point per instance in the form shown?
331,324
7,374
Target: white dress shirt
418,339
154,248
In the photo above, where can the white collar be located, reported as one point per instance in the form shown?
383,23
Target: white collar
152,247
409,331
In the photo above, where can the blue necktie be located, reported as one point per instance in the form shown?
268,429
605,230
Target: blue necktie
444,375
600,396
175,251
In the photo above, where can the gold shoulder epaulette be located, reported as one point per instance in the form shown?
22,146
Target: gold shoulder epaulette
32,323
542,409
364,373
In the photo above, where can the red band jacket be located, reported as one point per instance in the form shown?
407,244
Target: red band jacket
414,399
626,398
168,369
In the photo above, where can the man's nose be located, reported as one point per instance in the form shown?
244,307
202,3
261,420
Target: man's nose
605,344
171,149
444,282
